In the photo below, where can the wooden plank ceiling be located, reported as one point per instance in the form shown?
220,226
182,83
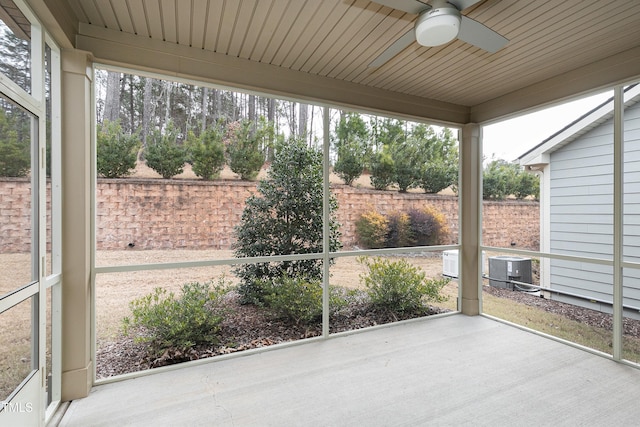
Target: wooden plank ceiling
337,39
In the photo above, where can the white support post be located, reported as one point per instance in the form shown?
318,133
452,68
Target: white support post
618,204
77,364
471,218
326,223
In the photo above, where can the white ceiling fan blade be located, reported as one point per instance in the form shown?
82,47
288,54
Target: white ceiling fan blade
409,6
480,36
463,4
397,47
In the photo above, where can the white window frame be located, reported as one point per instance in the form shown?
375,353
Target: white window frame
35,104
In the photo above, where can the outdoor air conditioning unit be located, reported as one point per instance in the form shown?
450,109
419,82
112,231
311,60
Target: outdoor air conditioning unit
504,269
450,263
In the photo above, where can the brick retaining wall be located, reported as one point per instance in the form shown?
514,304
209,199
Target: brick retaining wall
168,214
15,215
172,214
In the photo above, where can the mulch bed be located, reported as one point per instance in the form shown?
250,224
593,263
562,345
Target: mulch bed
245,327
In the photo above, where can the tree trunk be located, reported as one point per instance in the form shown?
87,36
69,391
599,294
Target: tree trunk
271,116
302,120
311,133
112,97
292,119
132,111
148,109
217,105
271,110
167,111
205,104
252,108
189,110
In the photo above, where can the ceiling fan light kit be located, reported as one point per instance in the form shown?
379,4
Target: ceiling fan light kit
437,26
438,23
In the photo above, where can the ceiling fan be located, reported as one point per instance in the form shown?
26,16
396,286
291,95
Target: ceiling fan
438,23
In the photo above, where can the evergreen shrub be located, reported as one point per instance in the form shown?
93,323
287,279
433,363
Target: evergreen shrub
349,165
207,153
399,287
165,320
437,176
244,150
163,154
297,300
116,152
285,217
382,170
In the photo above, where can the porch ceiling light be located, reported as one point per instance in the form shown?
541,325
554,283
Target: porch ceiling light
437,26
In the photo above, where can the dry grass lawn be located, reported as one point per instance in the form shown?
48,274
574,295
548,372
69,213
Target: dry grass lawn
592,336
114,291
15,347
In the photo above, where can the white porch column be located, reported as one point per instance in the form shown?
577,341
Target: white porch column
470,218
77,366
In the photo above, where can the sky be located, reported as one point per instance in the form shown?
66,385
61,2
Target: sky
510,139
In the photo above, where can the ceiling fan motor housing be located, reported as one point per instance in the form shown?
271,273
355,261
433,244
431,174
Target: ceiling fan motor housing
438,26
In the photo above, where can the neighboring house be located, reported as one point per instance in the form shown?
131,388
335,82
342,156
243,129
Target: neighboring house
577,207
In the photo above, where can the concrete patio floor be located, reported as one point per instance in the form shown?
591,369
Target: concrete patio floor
453,370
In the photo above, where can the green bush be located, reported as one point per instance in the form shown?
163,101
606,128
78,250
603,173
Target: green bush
116,152
498,179
438,157
382,170
437,176
400,287
285,217
350,163
294,299
244,150
163,154
350,141
501,179
166,321
408,157
207,153
527,184
297,300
